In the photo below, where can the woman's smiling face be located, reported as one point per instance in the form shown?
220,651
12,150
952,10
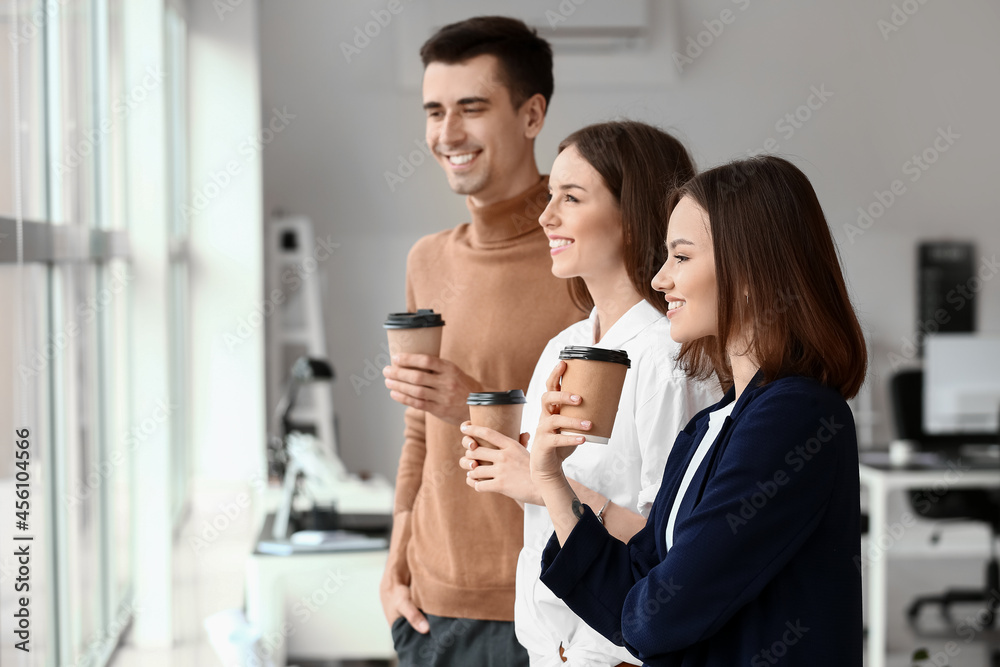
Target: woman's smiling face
687,278
582,220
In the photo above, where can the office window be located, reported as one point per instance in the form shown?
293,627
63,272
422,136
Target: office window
65,365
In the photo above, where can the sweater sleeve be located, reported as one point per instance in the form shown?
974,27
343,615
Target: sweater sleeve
766,497
409,474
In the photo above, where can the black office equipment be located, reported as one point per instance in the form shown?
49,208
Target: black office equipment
906,389
946,288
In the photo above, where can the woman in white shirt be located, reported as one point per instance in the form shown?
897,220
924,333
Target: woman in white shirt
606,224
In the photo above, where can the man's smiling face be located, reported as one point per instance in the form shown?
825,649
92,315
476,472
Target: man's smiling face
473,129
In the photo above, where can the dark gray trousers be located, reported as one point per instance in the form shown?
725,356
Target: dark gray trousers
458,642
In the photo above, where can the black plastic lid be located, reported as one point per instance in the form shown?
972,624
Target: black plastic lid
422,319
596,354
512,397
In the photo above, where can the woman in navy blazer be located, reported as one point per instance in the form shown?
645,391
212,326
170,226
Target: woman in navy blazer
750,553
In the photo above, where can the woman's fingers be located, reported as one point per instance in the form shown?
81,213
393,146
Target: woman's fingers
483,485
552,383
565,440
553,400
557,422
484,434
483,454
480,473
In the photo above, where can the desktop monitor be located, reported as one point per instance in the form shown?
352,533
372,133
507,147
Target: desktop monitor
961,389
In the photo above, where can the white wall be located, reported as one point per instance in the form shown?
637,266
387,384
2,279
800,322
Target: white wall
889,98
227,381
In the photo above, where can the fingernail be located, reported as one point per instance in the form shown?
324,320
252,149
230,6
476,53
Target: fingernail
580,438
468,474
574,398
423,627
464,428
585,424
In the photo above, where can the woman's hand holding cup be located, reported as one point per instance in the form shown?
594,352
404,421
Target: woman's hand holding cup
497,464
550,446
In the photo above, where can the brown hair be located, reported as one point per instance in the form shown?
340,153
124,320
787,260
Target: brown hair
640,164
525,58
772,243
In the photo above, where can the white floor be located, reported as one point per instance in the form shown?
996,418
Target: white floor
204,583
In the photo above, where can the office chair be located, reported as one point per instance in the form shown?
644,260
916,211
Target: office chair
906,389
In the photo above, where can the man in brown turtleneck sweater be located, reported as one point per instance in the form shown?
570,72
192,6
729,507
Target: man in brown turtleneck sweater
448,588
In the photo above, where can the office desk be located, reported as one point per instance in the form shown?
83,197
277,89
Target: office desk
880,478
318,606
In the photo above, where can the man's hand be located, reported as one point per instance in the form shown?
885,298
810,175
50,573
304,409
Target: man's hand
396,602
431,384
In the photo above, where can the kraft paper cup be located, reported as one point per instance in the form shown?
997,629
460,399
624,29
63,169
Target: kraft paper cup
596,375
414,333
498,410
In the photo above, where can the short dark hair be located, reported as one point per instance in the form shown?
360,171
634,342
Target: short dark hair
525,58
640,165
772,242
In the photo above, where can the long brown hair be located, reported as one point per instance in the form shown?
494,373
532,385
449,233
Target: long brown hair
780,283
640,164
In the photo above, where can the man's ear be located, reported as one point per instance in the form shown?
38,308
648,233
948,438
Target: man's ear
533,115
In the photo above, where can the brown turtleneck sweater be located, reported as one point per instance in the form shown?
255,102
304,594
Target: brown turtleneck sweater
492,281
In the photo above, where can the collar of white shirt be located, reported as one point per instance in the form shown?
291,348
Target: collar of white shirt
628,326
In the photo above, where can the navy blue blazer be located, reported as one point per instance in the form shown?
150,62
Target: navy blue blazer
764,567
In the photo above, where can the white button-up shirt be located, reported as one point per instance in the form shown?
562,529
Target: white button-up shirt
657,401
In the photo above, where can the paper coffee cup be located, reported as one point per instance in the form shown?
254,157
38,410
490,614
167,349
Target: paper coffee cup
414,333
498,410
596,375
